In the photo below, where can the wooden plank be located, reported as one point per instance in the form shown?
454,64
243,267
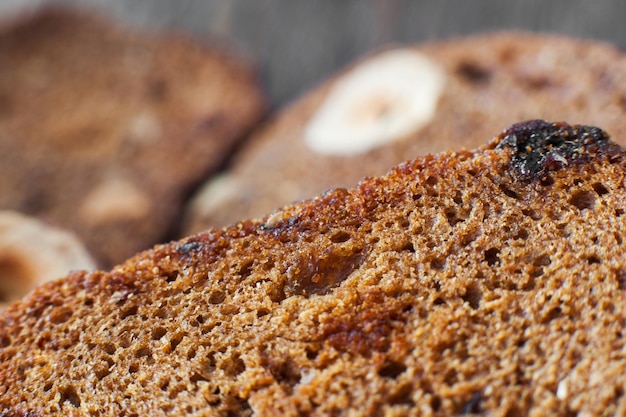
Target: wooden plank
297,43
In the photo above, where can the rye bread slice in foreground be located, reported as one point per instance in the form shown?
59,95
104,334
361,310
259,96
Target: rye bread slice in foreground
486,282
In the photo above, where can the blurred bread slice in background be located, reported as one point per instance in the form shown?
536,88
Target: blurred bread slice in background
32,253
405,101
105,130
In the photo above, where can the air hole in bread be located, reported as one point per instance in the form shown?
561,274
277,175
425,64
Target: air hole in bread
522,234
430,184
318,273
508,192
191,353
492,256
402,395
546,181
408,247
458,197
536,272
129,311
61,315
133,368
392,369
101,370
438,301
473,295
246,269
171,276
438,264
435,403
229,309
164,384
451,377
552,314
470,236
161,312
583,199
5,341
276,292
177,389
262,312
143,352
217,297
404,222
532,214
176,340
340,237
109,348
312,352
234,365
593,259
452,217
473,405
69,394
600,189
197,377
542,260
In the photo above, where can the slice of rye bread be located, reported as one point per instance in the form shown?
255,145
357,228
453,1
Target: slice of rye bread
104,130
485,80
489,282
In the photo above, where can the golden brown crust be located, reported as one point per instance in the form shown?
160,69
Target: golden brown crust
452,285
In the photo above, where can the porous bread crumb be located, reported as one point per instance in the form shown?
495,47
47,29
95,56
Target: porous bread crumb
454,285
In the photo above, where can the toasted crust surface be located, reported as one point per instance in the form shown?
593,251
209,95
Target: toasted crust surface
453,285
104,130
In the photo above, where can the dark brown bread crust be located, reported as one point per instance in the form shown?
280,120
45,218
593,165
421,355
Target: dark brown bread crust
104,131
452,285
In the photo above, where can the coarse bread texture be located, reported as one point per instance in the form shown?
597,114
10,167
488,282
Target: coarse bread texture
105,130
489,282
492,79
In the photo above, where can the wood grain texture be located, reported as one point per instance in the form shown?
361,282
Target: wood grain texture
297,43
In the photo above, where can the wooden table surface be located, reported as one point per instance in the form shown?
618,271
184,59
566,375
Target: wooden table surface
297,43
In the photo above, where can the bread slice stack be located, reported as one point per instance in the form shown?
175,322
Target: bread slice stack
485,282
104,130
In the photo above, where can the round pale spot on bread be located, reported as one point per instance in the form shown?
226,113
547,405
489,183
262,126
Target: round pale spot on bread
144,128
380,101
32,253
115,199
